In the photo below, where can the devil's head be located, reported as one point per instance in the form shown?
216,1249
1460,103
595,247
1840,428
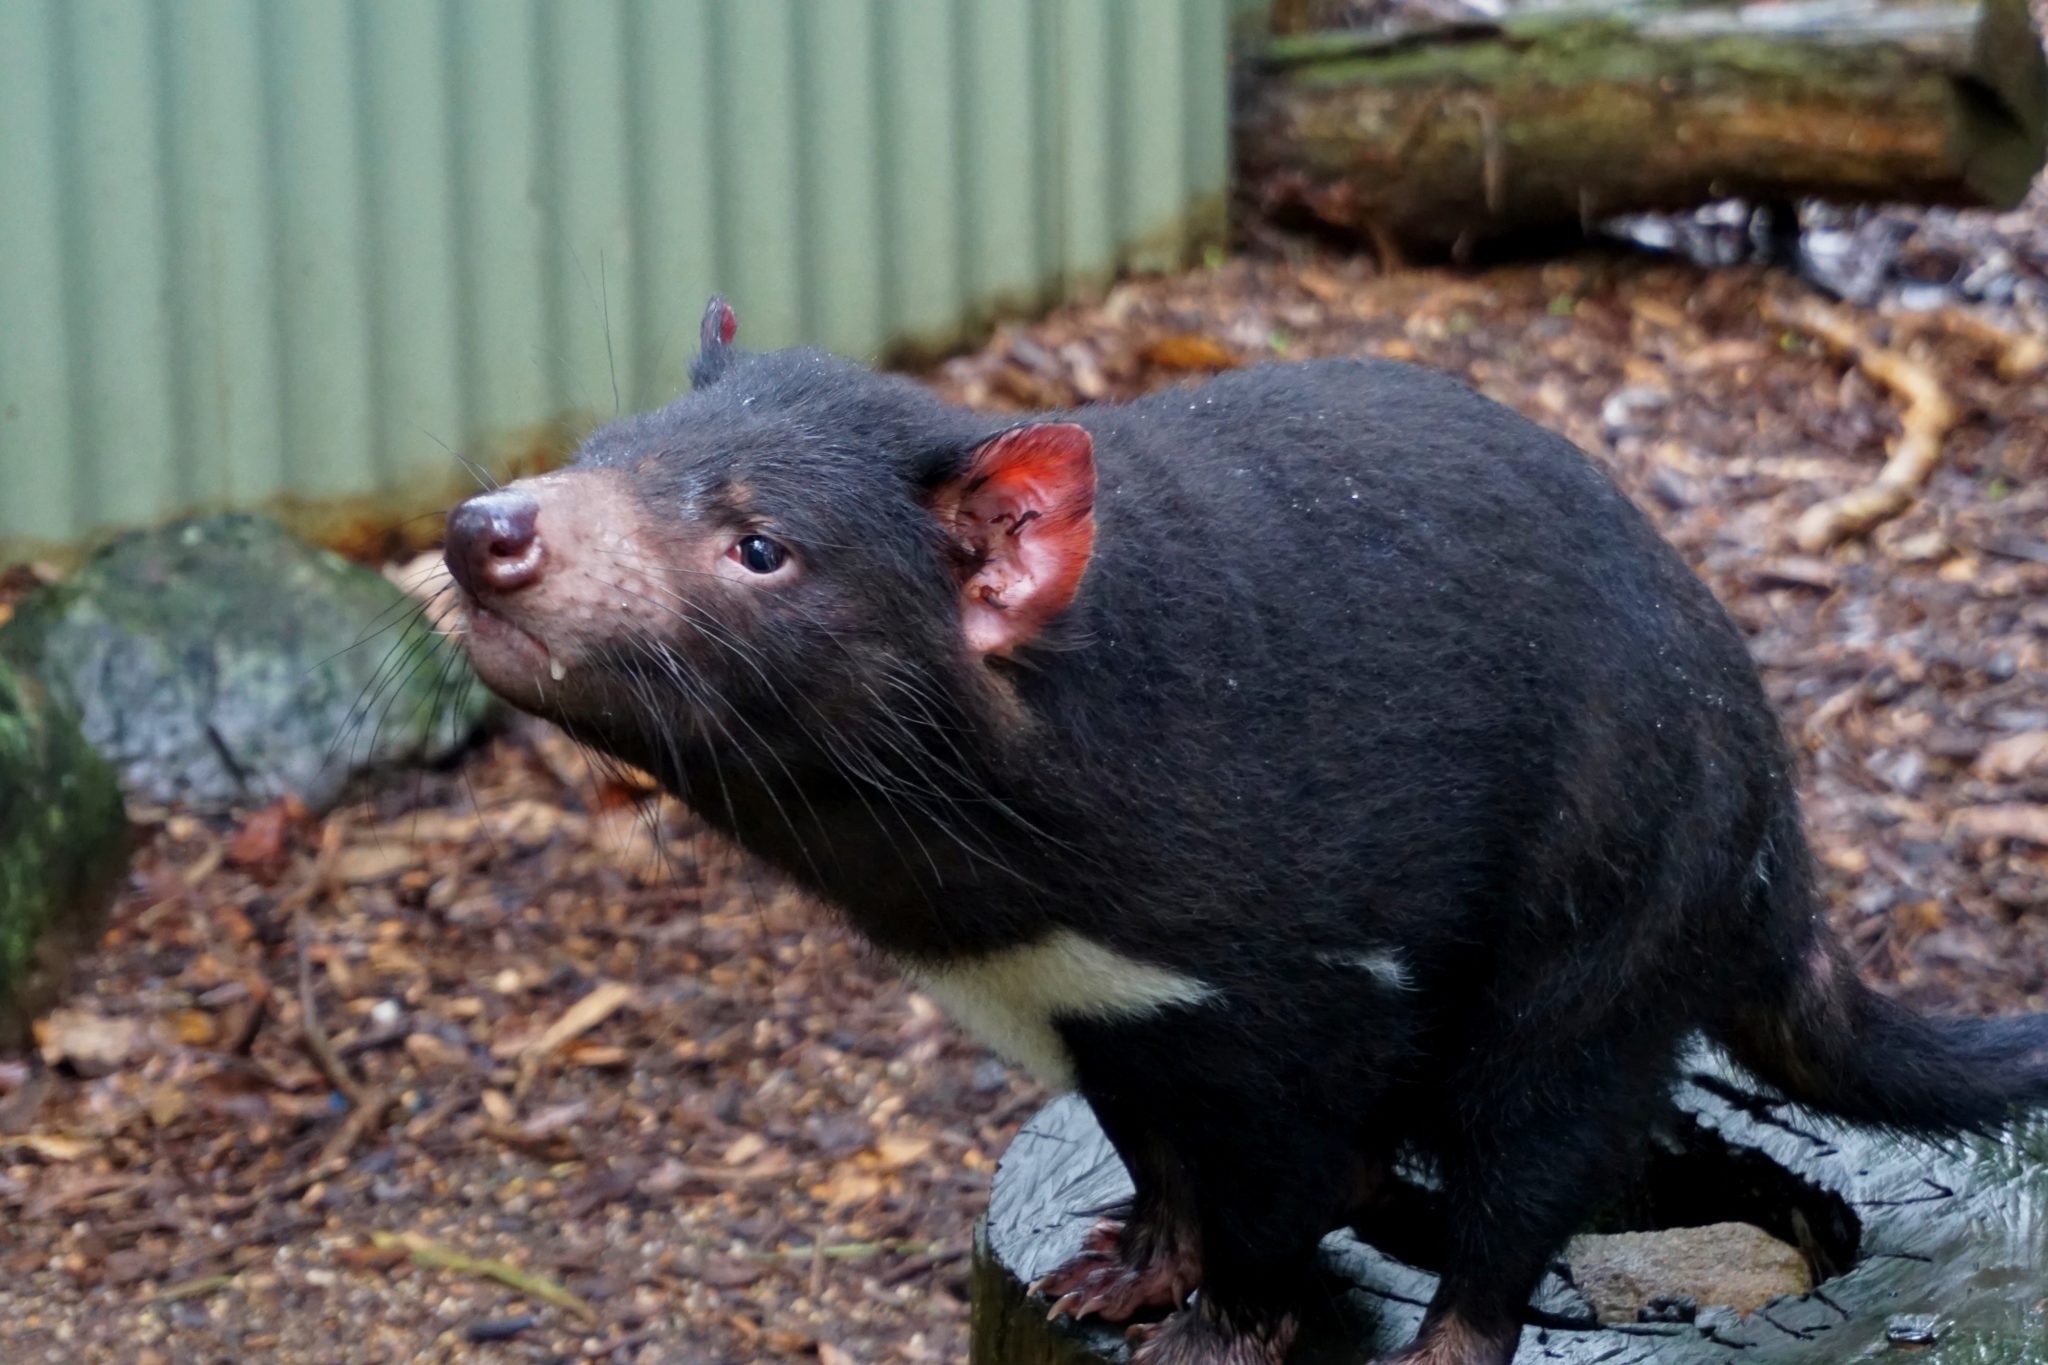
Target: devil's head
793,555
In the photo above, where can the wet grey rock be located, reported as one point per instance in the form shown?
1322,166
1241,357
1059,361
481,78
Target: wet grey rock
63,850
221,662
1950,1238
1734,1265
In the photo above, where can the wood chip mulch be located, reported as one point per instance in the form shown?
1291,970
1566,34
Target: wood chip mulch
631,1101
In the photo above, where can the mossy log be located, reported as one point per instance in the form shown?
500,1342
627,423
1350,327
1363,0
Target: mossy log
63,849
1552,118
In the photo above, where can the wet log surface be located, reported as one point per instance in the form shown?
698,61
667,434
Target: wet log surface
1911,1245
1553,117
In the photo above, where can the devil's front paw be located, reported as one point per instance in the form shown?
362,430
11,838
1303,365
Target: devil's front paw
1116,1277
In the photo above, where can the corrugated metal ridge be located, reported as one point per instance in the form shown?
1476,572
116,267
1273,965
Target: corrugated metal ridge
251,249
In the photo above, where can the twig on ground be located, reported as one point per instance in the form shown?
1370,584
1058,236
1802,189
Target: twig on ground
252,1021
313,1034
434,1256
367,1115
1925,422
192,1289
367,1104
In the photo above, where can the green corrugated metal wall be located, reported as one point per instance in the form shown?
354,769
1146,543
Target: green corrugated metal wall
261,247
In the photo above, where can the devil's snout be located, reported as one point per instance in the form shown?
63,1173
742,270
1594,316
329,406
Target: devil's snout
494,543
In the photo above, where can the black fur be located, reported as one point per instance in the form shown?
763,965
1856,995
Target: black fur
1364,666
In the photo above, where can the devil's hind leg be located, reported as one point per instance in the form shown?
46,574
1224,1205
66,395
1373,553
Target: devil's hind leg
1546,1128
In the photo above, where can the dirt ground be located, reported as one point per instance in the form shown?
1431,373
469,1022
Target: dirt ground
634,1102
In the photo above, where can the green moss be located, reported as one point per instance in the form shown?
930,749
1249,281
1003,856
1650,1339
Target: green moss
224,662
63,848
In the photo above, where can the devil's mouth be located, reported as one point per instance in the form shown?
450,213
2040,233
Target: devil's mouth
506,652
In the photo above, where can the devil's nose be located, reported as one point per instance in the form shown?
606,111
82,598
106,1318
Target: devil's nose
494,542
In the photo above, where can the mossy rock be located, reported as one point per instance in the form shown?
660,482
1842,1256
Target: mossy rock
63,850
1940,1251
222,662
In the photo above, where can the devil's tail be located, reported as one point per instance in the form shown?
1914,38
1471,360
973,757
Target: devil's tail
1824,1039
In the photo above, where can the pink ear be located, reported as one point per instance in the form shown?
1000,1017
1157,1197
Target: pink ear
720,324
1024,514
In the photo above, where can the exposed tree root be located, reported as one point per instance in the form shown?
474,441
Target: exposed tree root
1928,416
2015,355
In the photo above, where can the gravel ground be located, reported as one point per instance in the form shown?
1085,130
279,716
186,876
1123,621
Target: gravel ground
636,1103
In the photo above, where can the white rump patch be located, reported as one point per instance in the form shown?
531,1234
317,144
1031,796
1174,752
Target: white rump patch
1384,966
1009,999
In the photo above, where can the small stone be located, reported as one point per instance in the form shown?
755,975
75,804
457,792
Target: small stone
1726,1264
500,1329
1911,1332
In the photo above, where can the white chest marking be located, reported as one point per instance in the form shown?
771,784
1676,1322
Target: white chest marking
1009,999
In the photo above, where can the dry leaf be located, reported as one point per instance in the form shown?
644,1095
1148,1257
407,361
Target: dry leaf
371,1257
194,1028
376,862
1657,312
1191,351
1796,571
586,1014
601,1055
898,1152
1323,285
391,959
847,1185
745,1149
723,1272
430,1053
1721,354
772,1164
2010,821
92,1043
260,844
668,1176
51,1146
2015,755
167,1104
553,1121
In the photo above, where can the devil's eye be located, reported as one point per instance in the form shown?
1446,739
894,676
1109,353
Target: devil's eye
760,554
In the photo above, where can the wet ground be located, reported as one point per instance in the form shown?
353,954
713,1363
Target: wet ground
637,1103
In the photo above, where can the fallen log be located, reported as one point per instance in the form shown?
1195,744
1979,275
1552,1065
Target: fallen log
1551,118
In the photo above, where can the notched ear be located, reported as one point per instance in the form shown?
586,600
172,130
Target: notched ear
720,325
1022,514
714,341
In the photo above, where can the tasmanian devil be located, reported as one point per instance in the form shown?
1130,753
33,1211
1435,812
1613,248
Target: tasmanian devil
1321,765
